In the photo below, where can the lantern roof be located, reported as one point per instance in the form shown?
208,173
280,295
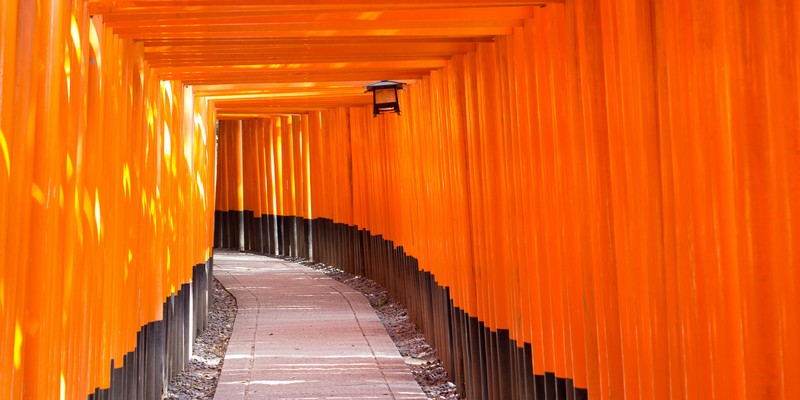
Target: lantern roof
384,84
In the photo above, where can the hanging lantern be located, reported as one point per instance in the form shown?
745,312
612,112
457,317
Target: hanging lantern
384,96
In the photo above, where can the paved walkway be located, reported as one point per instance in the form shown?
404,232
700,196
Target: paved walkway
302,335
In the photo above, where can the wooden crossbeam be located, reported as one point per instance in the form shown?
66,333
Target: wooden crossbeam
116,6
244,18
317,76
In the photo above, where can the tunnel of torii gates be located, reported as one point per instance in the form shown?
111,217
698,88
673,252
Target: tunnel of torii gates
581,198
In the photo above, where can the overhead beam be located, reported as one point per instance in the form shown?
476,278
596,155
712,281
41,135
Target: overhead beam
360,47
343,33
213,91
116,6
317,76
244,18
307,41
189,63
302,67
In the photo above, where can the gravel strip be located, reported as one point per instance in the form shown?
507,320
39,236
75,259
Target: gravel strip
199,381
419,356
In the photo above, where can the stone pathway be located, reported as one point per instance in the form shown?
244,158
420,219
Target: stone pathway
301,335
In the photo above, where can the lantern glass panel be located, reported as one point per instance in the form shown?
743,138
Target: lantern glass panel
383,96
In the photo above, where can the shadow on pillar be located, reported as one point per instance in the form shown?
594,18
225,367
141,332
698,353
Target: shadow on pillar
163,348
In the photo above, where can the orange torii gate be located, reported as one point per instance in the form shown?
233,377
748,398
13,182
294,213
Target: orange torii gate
583,198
